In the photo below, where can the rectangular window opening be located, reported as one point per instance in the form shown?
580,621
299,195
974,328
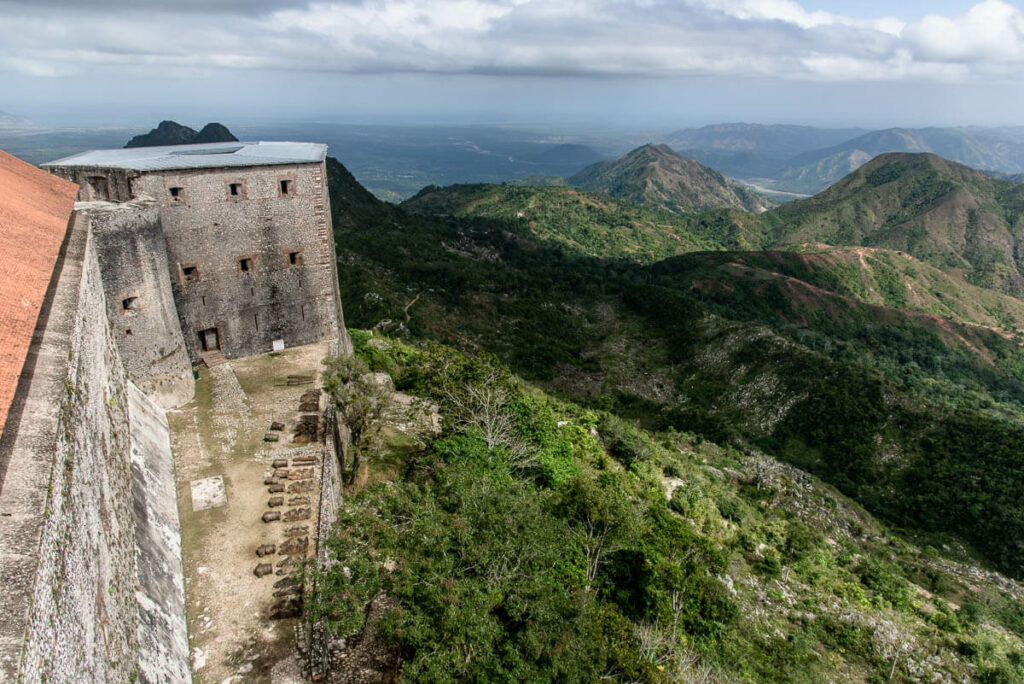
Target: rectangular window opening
99,188
302,311
128,332
245,264
190,274
256,320
295,258
204,300
177,193
286,187
235,189
252,291
130,304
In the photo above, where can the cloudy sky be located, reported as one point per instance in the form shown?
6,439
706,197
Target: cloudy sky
646,62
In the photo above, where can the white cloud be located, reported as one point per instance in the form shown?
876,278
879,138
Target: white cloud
990,31
776,38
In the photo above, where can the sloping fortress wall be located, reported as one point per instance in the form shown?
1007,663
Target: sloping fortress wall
250,250
140,300
71,531
82,618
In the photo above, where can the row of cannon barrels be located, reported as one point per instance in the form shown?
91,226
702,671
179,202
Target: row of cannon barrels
292,481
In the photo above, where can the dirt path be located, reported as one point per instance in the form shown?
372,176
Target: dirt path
221,434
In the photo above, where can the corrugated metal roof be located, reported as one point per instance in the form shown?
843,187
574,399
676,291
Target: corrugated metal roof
203,156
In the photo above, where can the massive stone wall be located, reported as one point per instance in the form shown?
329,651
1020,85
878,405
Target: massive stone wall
254,263
73,510
82,621
140,301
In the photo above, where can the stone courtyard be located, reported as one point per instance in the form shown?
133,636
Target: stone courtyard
246,489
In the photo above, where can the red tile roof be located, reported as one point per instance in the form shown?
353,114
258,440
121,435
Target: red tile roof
35,208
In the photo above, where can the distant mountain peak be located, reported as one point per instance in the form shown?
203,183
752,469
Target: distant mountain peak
173,133
655,175
946,214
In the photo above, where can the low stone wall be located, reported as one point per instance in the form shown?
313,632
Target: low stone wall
336,440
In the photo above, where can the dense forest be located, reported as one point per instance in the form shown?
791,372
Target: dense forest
706,367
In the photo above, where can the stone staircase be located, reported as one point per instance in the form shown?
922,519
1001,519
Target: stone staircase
212,358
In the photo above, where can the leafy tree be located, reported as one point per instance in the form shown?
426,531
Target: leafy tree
362,400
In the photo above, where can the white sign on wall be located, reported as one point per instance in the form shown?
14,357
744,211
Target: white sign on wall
278,345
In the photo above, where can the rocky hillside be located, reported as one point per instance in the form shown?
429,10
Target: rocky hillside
655,176
173,133
943,213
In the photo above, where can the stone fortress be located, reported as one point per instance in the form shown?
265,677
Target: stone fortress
171,257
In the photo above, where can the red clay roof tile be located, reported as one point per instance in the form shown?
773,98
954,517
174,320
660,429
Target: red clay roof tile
35,208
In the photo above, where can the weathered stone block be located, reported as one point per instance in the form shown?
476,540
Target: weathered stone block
296,514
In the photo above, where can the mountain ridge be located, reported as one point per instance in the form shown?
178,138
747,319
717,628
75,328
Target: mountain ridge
657,176
942,212
173,133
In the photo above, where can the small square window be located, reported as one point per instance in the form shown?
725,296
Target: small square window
245,265
190,274
177,194
286,187
235,189
130,304
294,258
128,332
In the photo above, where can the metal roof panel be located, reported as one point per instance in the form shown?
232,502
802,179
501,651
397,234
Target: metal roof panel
202,156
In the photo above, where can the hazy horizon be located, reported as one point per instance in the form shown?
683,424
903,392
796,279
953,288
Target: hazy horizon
623,63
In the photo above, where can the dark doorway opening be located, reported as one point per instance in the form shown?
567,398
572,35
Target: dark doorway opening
209,340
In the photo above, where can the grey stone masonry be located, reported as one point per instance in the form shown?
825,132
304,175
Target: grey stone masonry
249,246
140,300
89,535
251,255
68,561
